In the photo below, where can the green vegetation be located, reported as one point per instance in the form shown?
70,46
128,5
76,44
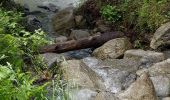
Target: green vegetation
141,17
110,13
17,47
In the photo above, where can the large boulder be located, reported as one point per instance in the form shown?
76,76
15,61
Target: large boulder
145,58
105,96
161,36
113,49
162,85
60,39
64,20
78,34
52,59
114,75
73,73
82,94
142,89
161,68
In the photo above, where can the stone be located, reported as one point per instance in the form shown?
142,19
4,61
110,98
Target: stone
60,39
113,49
146,58
75,76
167,53
82,94
161,36
114,77
32,23
160,68
52,59
78,34
166,98
162,85
141,71
105,96
63,20
141,89
49,7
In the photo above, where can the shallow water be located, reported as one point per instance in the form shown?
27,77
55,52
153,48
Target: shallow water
45,19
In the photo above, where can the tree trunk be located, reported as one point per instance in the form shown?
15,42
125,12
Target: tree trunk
92,41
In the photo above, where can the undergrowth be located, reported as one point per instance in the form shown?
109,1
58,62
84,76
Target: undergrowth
20,64
137,18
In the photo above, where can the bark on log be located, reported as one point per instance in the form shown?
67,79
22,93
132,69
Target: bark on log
92,41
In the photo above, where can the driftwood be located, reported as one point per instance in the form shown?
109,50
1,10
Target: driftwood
92,41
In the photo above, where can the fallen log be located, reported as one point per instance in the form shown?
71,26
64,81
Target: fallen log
92,41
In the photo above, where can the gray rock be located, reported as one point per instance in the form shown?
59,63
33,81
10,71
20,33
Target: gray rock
52,59
48,6
113,48
63,20
105,96
114,78
166,98
141,71
60,39
167,53
161,36
32,23
78,34
75,76
142,89
82,94
146,58
162,85
161,68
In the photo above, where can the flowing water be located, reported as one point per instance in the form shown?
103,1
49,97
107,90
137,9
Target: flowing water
45,17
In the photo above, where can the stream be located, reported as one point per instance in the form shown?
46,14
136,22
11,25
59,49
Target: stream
46,15
114,71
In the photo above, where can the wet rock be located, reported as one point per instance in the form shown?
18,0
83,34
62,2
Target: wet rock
142,89
161,36
80,54
49,7
83,94
128,65
160,68
75,75
114,78
146,58
63,20
60,39
31,23
78,34
162,85
112,49
105,96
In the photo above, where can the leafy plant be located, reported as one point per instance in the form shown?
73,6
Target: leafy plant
110,13
17,50
17,85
